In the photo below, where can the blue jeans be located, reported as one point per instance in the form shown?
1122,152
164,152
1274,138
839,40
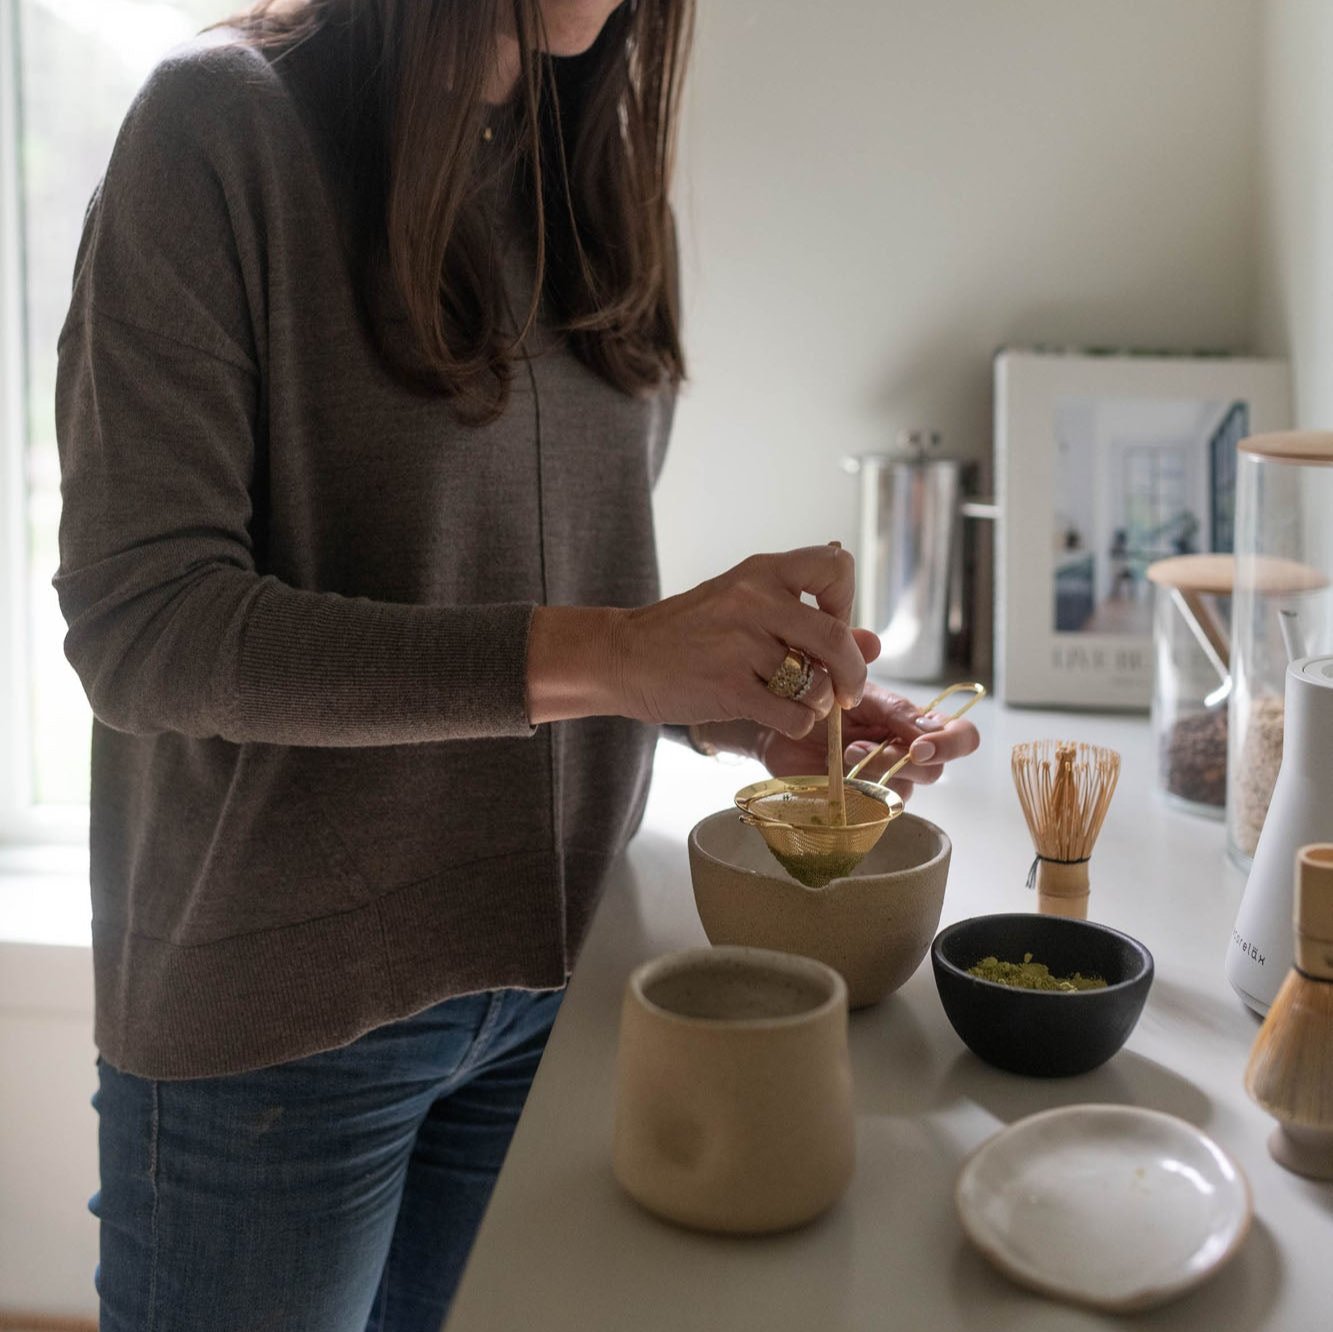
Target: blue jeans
336,1193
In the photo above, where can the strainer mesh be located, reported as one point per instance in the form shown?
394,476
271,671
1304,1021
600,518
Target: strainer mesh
795,825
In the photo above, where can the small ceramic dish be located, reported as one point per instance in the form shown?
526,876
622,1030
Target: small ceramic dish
1041,1033
1108,1206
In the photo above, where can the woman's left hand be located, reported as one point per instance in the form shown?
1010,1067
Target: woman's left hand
932,739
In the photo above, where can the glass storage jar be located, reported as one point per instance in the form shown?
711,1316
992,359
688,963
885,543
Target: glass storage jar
1191,678
1282,608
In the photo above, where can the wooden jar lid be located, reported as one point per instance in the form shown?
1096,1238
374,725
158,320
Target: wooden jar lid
1271,573
1220,574
1298,446
1196,573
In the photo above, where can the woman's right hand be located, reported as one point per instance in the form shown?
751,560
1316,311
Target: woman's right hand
707,654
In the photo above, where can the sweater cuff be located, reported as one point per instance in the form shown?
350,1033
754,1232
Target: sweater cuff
323,669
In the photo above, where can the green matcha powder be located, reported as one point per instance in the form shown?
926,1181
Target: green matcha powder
1030,975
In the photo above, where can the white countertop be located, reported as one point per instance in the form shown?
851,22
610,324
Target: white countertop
563,1248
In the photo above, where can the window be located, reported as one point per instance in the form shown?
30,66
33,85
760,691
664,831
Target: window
68,71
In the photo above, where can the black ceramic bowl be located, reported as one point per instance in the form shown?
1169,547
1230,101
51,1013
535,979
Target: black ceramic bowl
1043,1033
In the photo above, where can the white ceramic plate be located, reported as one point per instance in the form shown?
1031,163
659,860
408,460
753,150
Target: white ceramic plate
1106,1205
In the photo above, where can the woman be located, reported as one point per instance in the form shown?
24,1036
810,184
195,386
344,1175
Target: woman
363,391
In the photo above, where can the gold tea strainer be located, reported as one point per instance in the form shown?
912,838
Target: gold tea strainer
799,818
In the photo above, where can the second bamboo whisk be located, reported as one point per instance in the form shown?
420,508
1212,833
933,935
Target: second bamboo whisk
1065,788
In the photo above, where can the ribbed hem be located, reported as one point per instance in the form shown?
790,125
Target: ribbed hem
321,669
165,1011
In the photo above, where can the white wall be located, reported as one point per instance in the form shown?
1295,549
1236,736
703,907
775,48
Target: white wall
1295,308
877,194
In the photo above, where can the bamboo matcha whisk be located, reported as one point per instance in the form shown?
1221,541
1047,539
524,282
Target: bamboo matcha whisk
1290,1072
1065,789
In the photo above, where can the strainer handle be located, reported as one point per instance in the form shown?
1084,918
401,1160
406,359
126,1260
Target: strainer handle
977,692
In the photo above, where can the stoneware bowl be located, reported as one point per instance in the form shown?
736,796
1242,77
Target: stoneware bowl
734,1089
873,926
1042,1033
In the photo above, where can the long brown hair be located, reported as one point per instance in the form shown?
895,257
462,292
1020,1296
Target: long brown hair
397,86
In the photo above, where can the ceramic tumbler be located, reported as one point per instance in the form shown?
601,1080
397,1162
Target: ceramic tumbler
734,1091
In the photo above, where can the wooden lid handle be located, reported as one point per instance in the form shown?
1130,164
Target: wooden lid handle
1314,910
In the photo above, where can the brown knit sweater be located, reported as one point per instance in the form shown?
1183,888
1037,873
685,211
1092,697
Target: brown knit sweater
298,596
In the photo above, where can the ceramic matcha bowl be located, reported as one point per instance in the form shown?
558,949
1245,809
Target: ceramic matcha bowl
874,926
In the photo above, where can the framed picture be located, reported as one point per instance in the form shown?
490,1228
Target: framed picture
1103,464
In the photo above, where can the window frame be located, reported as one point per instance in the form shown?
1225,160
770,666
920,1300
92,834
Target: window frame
22,821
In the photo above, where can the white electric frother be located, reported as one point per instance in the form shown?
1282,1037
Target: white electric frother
1259,954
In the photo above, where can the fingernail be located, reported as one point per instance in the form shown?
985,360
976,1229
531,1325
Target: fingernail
928,722
923,751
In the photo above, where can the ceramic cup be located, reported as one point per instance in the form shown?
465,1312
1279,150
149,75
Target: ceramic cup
734,1090
874,926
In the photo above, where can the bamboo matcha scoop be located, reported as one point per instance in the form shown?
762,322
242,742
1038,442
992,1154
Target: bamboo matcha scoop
837,800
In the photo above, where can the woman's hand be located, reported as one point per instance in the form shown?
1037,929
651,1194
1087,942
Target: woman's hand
933,742
706,655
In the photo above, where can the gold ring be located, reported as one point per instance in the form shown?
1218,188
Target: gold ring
807,679
793,677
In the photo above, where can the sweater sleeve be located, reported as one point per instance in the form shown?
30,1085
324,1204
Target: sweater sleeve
171,624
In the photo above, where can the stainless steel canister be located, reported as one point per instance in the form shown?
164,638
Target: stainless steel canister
908,566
